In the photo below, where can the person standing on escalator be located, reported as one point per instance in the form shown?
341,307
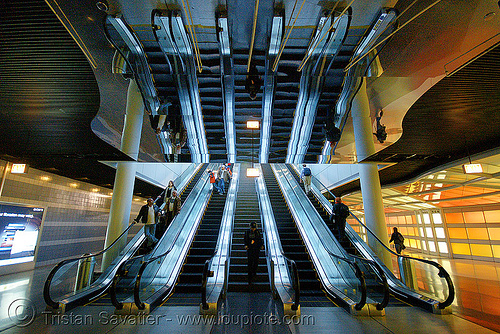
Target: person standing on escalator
172,208
253,245
340,212
149,216
398,240
305,176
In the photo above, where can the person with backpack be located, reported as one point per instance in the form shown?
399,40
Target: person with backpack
305,176
340,212
398,240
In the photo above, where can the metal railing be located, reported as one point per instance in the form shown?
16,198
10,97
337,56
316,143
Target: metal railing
112,291
441,271
353,265
46,290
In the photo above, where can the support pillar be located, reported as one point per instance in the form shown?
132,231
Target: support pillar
371,191
123,189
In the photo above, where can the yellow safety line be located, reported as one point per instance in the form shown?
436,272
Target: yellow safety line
73,32
254,27
288,34
308,54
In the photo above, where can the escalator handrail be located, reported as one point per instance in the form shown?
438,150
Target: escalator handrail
46,289
380,273
441,271
112,289
295,273
137,298
359,274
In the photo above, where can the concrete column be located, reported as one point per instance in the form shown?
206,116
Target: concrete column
123,189
371,190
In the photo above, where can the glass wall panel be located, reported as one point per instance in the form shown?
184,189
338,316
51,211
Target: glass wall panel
494,233
492,216
474,217
443,247
481,250
454,218
457,233
432,246
440,233
436,217
462,249
477,233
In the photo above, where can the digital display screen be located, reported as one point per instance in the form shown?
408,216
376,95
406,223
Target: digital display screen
19,228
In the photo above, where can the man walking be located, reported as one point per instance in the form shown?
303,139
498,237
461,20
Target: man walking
253,245
340,212
305,176
149,217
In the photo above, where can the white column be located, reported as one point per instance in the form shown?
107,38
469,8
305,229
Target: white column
371,190
123,189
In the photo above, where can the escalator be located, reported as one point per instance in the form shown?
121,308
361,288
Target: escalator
188,287
402,292
129,271
247,211
374,286
311,293
63,276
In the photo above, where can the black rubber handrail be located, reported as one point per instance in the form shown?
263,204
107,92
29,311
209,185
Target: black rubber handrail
380,273
358,273
46,289
441,271
378,270
112,289
294,272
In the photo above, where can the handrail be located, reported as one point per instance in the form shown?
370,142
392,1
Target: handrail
46,289
295,274
380,273
112,292
442,272
359,274
137,299
295,283
204,280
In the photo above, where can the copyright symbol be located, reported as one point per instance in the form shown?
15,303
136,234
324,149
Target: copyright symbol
22,312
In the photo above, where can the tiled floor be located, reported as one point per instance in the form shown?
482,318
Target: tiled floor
477,302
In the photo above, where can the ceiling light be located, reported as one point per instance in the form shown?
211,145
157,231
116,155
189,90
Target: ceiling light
253,125
19,168
253,172
472,168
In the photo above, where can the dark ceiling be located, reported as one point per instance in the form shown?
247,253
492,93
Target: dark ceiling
49,95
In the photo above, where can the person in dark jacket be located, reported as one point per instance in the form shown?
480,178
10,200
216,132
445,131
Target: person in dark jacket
398,240
166,193
149,216
253,245
340,212
172,207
